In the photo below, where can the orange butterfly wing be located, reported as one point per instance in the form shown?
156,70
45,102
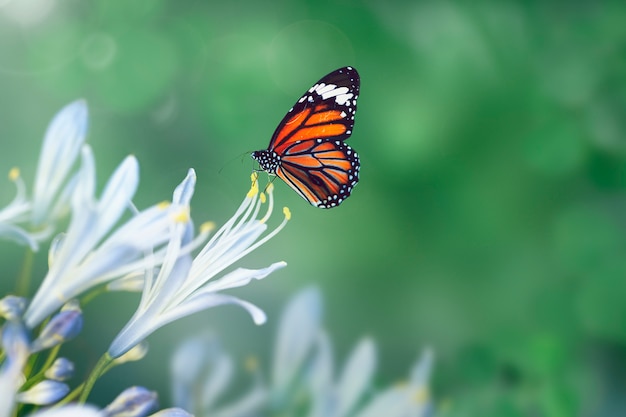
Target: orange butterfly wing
322,172
307,150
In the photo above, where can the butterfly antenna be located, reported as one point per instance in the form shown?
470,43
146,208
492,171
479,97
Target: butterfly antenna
242,155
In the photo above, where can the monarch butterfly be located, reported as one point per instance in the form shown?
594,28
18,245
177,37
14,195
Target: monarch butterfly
307,149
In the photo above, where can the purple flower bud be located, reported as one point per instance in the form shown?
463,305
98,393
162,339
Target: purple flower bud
60,370
44,393
63,326
12,307
132,402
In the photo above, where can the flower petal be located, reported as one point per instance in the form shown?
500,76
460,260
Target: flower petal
64,137
69,411
356,376
44,393
298,329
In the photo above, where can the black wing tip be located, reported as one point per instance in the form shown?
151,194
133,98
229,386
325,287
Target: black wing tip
348,71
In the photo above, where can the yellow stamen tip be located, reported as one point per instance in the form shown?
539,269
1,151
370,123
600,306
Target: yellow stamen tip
262,198
182,216
420,396
163,205
14,173
287,213
251,364
254,176
207,227
270,188
254,190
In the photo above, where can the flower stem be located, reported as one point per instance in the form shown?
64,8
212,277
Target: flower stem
101,367
23,282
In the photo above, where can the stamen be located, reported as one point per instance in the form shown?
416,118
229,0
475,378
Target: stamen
251,364
207,227
14,173
254,189
182,216
287,213
163,205
270,206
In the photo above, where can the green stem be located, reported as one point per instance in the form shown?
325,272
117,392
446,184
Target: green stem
69,397
32,380
101,367
23,282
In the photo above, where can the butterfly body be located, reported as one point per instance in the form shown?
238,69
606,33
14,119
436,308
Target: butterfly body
307,150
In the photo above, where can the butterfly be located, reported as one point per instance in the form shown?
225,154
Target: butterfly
307,150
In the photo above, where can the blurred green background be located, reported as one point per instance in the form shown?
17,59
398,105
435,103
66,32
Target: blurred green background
489,220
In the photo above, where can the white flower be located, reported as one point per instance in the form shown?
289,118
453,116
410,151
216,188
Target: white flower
73,410
411,399
54,181
61,146
15,347
186,285
201,373
45,392
303,378
339,399
92,252
298,331
16,213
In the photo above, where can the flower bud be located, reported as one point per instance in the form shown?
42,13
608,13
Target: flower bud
132,402
60,370
63,326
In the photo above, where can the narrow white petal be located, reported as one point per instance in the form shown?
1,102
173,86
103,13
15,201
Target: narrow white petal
248,405
218,380
357,376
320,379
241,277
44,393
69,411
204,301
299,328
64,137
393,402
420,373
184,191
19,235
171,412
118,193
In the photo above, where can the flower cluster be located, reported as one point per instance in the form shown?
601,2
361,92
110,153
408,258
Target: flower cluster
111,245
302,380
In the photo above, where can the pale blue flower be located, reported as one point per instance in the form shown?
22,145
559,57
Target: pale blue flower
304,380
60,370
132,402
201,374
12,307
62,327
201,371
93,252
340,398
171,412
73,410
60,150
16,349
16,214
411,399
31,221
45,392
298,331
186,285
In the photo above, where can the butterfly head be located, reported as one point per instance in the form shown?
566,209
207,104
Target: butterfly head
268,160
